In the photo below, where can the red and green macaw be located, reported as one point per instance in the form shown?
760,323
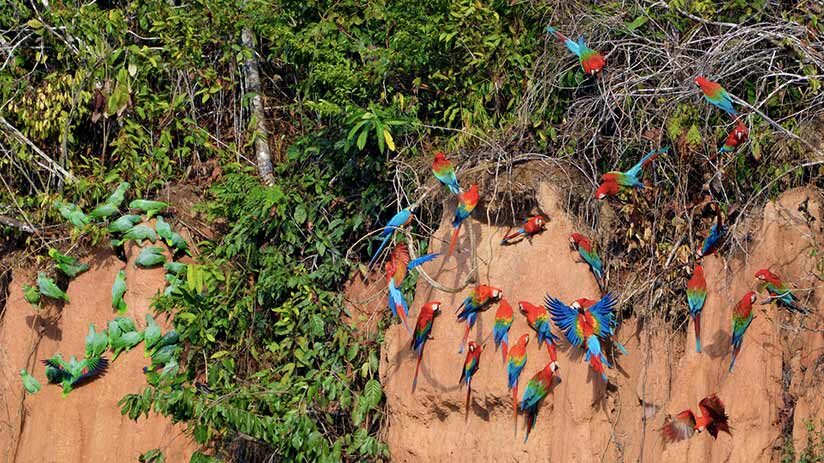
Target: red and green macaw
536,389
467,200
477,301
423,329
614,182
739,135
531,227
716,95
592,61
538,319
580,243
696,296
713,419
516,359
500,331
586,321
402,218
779,290
470,367
396,269
445,172
742,316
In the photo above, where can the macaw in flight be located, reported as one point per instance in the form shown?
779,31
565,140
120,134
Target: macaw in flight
696,296
586,322
742,316
423,329
587,252
467,200
716,95
538,319
515,362
470,367
500,330
780,291
614,182
592,61
402,218
445,172
536,390
478,300
713,419
531,227
396,268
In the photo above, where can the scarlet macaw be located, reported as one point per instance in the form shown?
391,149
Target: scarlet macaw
536,389
592,61
467,200
396,269
713,419
500,331
514,365
538,319
742,316
532,226
716,95
585,322
614,182
445,172
402,218
470,367
580,243
696,296
477,301
738,135
780,291
423,328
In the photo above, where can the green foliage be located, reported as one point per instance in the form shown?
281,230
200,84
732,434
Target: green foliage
813,451
152,456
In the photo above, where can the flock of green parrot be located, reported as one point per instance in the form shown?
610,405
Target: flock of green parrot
585,323
122,334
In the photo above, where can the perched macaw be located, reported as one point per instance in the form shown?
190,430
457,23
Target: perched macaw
713,239
516,359
592,61
585,322
531,227
500,331
467,200
445,172
696,296
471,364
478,300
423,328
716,95
742,316
780,291
402,218
738,135
396,269
536,389
580,243
538,319
713,419
614,182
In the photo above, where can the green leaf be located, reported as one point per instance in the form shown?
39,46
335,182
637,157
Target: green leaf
638,22
34,24
362,139
300,214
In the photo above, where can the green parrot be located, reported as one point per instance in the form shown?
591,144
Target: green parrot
150,207
103,211
175,268
150,256
70,266
125,324
164,355
164,230
31,294
49,288
96,343
118,290
72,213
117,196
179,244
151,335
140,233
122,335
124,223
169,339
32,385
73,372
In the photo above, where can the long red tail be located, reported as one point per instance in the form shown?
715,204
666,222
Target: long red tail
454,239
512,235
550,348
402,315
417,366
596,364
515,402
698,332
468,394
504,350
465,337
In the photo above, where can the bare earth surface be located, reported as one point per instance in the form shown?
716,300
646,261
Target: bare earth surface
86,425
581,421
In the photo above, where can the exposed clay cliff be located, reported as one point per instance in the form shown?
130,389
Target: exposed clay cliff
86,425
776,386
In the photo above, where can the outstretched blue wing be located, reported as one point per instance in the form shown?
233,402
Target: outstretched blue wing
565,318
603,312
422,260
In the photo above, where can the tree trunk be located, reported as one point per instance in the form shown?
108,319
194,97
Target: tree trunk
263,156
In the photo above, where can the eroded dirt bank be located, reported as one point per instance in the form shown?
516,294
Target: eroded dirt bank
777,383
86,425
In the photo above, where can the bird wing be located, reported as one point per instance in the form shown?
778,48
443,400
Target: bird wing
534,393
91,368
713,407
603,313
421,260
679,428
566,319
